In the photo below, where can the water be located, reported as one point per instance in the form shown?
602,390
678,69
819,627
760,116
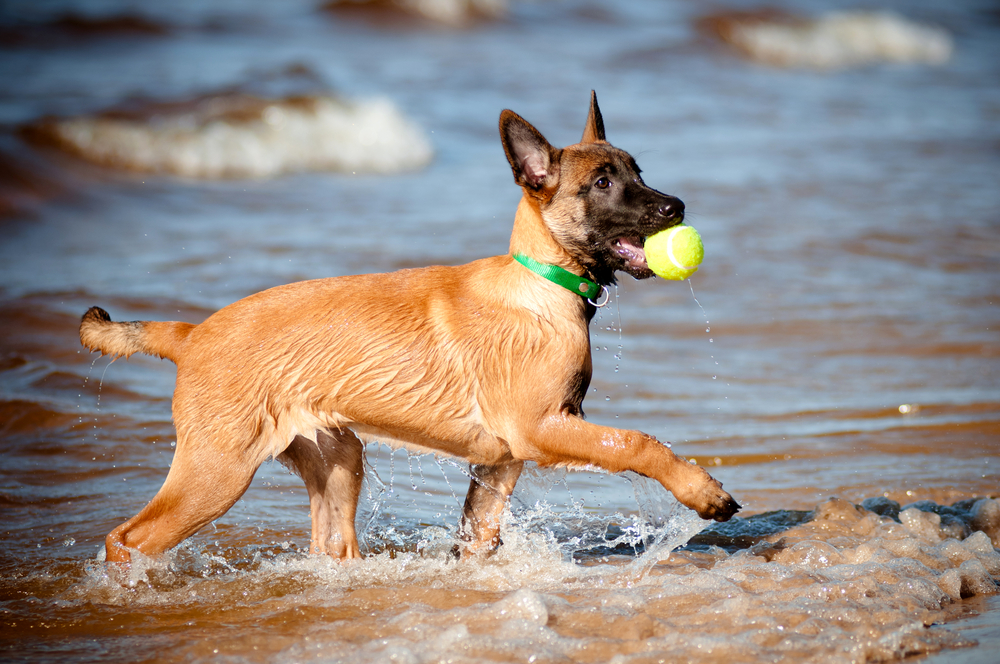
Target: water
843,348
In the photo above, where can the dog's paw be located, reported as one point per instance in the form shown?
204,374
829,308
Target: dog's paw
708,499
720,506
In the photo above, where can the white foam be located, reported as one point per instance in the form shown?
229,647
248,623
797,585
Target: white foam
846,584
455,13
838,40
239,136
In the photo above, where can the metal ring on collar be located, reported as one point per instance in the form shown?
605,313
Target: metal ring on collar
607,296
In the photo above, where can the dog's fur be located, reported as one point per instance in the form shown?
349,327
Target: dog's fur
487,361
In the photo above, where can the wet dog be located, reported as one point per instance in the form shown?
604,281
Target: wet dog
488,361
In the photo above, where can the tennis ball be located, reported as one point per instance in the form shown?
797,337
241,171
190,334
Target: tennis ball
674,253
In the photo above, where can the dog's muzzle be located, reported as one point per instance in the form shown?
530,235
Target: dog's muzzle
668,212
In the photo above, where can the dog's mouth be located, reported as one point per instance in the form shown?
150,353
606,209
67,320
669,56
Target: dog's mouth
630,250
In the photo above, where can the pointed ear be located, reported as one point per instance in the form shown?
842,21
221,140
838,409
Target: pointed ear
594,131
535,163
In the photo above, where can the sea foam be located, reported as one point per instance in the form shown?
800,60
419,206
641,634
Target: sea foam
237,135
836,40
840,583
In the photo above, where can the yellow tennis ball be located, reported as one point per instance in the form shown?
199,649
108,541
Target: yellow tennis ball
674,253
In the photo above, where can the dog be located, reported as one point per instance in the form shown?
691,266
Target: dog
488,361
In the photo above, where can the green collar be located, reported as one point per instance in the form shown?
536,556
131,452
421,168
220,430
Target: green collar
581,286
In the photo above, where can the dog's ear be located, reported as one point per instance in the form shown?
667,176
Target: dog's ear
534,161
594,131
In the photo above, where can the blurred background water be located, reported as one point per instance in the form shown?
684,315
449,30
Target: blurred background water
842,338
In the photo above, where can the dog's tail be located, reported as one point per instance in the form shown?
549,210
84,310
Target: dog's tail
99,332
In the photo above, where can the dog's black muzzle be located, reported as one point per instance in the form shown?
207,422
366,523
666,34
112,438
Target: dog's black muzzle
669,209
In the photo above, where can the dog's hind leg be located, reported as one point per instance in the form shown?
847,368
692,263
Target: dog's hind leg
332,469
489,490
197,491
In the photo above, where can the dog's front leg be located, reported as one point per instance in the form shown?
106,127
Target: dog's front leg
564,439
489,490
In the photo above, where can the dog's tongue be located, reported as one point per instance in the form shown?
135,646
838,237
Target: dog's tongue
630,248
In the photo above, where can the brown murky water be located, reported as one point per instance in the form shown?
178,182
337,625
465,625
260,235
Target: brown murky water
836,362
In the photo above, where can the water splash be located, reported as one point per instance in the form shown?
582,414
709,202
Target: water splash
711,340
426,520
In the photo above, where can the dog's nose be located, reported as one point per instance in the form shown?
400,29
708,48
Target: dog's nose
672,208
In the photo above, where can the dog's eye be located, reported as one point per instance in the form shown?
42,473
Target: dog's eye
603,183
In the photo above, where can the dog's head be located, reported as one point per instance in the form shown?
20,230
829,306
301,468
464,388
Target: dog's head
591,196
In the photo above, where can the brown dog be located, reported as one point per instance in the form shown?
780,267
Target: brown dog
488,361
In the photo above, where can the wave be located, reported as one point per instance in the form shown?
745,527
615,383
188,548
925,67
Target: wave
845,582
450,13
837,40
238,135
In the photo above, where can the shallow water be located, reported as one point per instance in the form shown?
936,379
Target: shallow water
839,345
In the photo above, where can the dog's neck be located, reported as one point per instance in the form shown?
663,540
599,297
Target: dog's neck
532,237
